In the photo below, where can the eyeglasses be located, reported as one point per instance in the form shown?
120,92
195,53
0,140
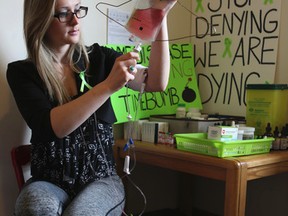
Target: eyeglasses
65,17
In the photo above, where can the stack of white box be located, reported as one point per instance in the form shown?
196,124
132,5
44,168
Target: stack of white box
151,129
133,129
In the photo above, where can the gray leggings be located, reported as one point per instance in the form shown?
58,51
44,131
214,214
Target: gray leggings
98,198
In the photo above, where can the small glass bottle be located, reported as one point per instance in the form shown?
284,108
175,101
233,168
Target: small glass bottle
268,131
277,137
283,140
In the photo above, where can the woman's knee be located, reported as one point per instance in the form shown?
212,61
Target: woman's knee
99,198
41,198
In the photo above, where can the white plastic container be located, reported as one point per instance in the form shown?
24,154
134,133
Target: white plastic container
248,132
240,134
193,113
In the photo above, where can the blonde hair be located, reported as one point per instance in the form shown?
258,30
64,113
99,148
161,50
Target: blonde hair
38,15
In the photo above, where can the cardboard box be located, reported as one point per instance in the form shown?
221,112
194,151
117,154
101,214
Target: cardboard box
150,130
222,133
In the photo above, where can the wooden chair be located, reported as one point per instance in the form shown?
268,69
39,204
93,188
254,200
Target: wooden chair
20,156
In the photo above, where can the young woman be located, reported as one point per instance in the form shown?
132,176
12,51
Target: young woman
63,92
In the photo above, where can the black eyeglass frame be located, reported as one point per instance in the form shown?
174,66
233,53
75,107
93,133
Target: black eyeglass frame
58,15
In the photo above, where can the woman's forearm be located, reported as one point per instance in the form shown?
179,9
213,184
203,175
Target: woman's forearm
66,118
159,63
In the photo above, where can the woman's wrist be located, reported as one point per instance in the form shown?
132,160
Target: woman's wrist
163,32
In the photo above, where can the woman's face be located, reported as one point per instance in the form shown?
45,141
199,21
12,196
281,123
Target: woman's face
60,34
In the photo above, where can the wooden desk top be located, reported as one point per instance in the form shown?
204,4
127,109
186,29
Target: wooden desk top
263,165
264,159
257,166
171,158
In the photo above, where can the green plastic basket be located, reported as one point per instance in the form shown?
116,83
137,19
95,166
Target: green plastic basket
198,143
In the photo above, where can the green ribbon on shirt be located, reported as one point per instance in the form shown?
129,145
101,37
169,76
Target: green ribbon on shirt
84,82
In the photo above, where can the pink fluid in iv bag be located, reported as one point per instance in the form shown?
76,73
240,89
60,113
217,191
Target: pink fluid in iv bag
147,17
145,23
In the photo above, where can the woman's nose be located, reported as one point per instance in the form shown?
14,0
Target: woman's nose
74,20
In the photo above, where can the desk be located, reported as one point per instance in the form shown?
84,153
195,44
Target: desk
259,166
234,171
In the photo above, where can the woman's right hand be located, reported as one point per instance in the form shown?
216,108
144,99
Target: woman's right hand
121,72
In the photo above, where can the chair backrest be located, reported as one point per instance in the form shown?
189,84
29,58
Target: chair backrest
20,156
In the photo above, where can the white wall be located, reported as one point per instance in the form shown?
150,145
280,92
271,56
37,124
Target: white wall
281,70
13,130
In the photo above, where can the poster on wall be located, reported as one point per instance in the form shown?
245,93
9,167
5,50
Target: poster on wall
117,34
182,87
235,44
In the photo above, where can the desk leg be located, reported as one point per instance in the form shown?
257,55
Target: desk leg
232,191
243,189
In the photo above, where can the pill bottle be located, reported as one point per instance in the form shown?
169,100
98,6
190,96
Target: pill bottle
181,111
248,132
193,113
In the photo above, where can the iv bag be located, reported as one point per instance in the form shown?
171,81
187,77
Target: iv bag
146,18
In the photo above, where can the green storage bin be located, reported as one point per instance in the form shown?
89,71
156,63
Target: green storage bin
198,143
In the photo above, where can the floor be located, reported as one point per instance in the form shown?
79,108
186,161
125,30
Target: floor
175,212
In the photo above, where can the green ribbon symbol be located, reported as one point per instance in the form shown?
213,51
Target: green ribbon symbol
227,51
199,6
268,1
83,83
